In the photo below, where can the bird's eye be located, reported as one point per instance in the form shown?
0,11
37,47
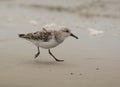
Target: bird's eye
67,31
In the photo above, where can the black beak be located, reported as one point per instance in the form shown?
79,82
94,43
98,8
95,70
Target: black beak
73,36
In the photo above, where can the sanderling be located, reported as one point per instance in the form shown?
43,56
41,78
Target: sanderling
48,38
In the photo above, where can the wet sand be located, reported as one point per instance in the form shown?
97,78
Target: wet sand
90,61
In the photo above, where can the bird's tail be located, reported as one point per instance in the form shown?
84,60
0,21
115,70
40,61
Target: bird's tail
21,35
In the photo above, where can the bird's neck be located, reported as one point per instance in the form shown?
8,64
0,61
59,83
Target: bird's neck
59,37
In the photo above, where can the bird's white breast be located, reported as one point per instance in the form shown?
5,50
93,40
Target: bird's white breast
50,44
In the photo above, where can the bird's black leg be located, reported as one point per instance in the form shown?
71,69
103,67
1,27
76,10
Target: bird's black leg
37,54
54,56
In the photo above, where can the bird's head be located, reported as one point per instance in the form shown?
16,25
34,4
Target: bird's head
66,32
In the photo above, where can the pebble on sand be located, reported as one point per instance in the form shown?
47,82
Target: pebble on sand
71,73
97,68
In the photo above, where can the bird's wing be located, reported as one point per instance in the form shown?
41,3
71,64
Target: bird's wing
39,35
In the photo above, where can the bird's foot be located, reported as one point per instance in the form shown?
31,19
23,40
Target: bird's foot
59,60
36,55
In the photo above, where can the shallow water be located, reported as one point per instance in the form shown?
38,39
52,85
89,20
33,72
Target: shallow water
96,57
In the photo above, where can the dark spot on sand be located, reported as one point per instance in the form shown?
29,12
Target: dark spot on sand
97,68
80,74
71,73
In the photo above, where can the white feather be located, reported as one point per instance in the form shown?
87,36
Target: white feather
94,32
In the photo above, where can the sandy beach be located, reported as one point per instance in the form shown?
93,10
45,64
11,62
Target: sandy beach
91,61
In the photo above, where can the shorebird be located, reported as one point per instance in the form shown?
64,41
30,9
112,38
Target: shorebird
48,38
